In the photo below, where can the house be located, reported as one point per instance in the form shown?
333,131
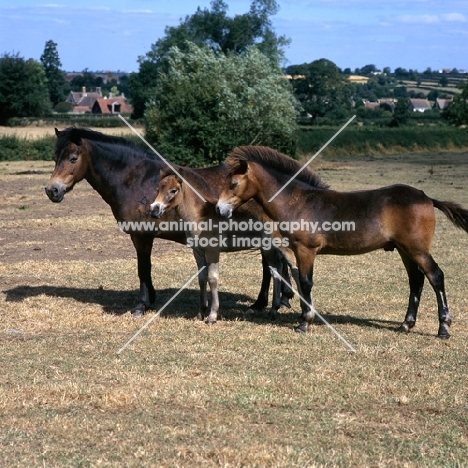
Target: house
443,103
371,105
385,104
83,98
80,109
420,105
111,105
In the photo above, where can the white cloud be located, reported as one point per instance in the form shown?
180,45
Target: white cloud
419,19
432,19
454,17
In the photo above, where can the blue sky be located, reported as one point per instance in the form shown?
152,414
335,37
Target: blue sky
110,35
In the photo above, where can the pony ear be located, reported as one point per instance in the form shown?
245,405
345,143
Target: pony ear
242,167
167,171
75,137
57,132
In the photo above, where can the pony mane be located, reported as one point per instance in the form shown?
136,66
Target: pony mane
272,159
75,134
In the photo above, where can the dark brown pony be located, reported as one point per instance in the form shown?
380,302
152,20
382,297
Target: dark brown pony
395,217
126,176
179,192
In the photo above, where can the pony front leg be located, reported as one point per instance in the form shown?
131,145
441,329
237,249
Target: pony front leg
213,275
202,281
275,262
262,299
143,246
305,274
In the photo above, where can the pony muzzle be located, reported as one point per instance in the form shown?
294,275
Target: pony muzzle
224,209
56,191
157,209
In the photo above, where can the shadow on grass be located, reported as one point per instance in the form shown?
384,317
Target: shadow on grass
233,307
118,302
292,318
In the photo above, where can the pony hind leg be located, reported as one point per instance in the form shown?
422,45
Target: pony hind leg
416,283
436,278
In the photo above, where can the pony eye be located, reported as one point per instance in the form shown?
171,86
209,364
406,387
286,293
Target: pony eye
73,159
233,185
174,191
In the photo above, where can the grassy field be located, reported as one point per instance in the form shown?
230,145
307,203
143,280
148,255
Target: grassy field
242,393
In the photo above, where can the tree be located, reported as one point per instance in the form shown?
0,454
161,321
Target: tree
215,29
457,112
401,113
443,81
322,89
85,80
23,88
368,70
401,73
206,103
56,82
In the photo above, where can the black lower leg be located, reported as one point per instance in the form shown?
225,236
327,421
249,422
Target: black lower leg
416,282
444,315
147,295
286,292
306,302
436,277
262,299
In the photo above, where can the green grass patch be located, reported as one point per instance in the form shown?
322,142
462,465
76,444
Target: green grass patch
13,148
367,140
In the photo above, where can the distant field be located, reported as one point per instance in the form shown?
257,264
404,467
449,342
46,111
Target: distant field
34,133
242,393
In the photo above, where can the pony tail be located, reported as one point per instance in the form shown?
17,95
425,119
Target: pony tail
455,212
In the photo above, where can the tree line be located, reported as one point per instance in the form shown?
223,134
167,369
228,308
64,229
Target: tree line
215,81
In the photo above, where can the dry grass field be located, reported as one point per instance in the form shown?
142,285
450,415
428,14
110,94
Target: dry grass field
242,393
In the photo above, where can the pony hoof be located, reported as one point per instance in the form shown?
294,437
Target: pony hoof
210,322
271,316
405,327
299,329
200,316
443,332
285,303
250,311
258,305
138,312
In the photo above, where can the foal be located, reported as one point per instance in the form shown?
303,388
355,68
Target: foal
175,195
395,217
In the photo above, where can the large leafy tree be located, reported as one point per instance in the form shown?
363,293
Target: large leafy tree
23,88
401,113
322,89
457,112
206,103
216,29
56,82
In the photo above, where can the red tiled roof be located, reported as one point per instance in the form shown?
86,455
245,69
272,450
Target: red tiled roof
111,106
